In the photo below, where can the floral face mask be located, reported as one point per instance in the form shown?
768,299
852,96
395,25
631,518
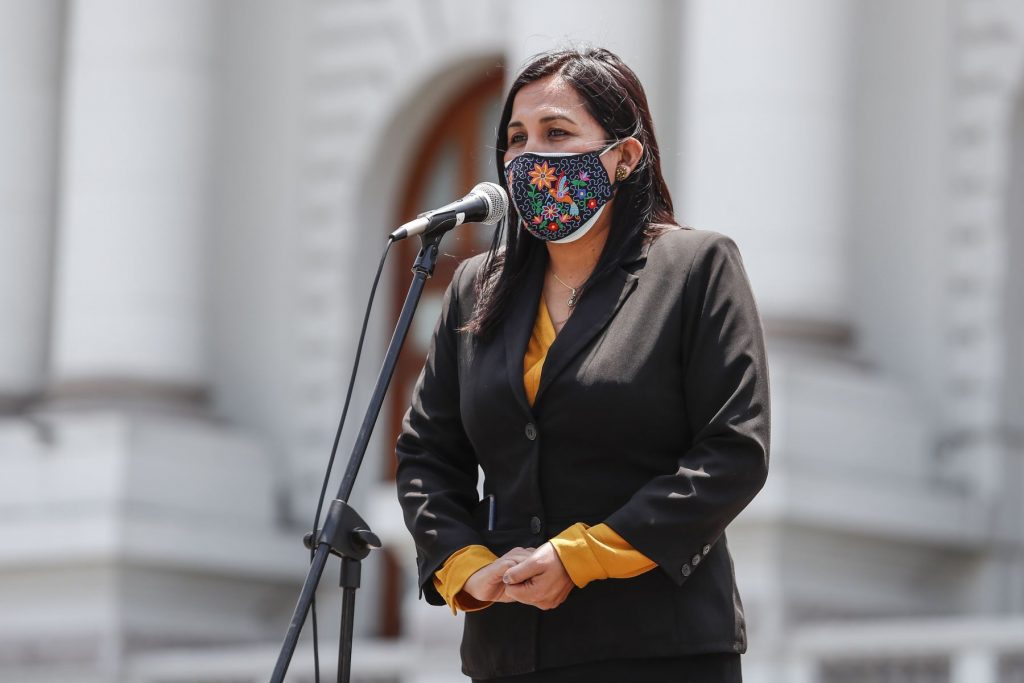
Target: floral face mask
559,196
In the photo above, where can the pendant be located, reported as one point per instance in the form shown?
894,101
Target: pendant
572,299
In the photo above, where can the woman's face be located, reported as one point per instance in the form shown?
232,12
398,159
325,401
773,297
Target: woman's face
548,115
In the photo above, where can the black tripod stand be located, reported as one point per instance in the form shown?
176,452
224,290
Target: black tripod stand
344,532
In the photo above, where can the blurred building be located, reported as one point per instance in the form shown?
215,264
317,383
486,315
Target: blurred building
194,197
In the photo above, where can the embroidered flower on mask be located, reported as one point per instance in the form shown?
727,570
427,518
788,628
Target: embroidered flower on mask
542,176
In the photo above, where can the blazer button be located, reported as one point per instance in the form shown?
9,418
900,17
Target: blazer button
695,560
531,431
535,525
686,570
706,549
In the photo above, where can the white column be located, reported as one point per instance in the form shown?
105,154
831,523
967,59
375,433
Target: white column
30,33
130,287
766,117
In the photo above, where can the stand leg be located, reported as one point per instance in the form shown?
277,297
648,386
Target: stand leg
291,638
422,269
350,573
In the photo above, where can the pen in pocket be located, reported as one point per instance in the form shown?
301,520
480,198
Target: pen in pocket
490,512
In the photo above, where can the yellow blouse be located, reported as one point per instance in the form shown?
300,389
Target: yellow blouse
587,553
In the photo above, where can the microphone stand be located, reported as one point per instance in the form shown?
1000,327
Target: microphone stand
344,532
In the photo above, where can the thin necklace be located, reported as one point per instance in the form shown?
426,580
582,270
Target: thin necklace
572,298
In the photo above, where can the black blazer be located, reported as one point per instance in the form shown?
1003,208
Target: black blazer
652,416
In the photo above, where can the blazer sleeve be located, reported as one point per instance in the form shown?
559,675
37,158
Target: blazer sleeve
437,468
677,517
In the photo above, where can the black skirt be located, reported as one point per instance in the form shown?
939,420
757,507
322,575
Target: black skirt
709,668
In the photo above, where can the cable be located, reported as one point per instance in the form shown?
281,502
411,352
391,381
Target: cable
334,448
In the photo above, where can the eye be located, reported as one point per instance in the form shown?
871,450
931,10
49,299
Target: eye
516,138
556,133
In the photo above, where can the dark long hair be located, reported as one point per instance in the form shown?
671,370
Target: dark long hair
642,206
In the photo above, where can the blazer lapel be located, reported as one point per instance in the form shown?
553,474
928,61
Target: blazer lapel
518,325
595,308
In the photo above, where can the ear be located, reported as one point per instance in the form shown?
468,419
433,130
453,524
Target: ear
630,152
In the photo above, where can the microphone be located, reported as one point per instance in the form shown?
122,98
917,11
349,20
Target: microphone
485,203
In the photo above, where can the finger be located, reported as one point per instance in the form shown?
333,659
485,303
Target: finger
516,556
524,570
520,572
521,593
496,570
517,589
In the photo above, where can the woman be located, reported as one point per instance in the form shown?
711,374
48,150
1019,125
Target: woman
606,370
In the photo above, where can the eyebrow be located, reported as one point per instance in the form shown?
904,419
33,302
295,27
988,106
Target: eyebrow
545,119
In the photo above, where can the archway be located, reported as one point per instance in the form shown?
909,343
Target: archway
454,154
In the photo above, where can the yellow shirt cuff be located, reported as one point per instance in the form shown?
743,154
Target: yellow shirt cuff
598,552
452,576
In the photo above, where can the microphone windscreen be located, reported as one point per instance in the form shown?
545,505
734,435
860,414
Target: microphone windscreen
497,201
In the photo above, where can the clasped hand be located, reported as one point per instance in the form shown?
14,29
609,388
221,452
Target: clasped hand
527,575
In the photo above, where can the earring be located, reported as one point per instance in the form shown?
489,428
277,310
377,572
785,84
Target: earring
621,173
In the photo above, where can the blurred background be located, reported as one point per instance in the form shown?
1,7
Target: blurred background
193,198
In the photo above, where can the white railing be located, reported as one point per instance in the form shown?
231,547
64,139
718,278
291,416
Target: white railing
910,651
898,651
374,661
